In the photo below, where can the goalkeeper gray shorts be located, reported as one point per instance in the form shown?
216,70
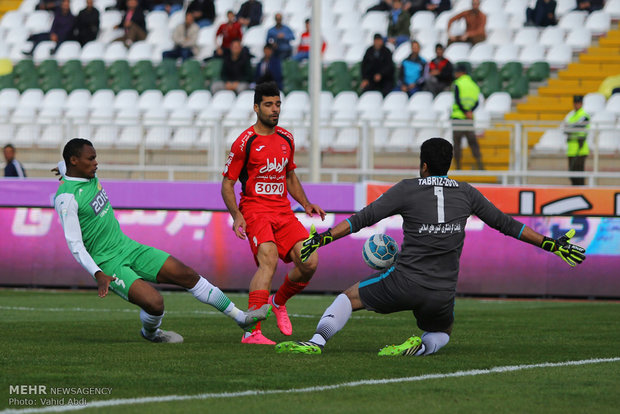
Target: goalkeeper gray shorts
391,291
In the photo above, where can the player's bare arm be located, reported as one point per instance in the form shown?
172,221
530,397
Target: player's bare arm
297,192
228,195
103,283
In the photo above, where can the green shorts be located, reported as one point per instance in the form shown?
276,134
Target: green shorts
137,261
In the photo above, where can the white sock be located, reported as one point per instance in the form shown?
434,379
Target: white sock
333,320
212,295
434,341
150,323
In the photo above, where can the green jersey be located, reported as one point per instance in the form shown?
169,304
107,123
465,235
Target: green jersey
92,232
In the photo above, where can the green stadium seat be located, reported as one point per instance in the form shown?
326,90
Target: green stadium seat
6,81
292,75
518,87
143,68
168,83
356,76
483,70
24,67
145,83
47,67
491,84
338,78
213,69
190,68
94,67
166,66
538,72
511,70
27,83
95,83
119,68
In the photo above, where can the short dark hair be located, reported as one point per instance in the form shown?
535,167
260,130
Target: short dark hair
73,148
9,146
437,154
460,68
377,36
265,89
577,98
439,46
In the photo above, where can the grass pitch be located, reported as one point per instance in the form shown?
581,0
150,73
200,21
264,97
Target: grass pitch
74,340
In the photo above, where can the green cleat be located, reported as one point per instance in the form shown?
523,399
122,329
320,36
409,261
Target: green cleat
292,347
407,348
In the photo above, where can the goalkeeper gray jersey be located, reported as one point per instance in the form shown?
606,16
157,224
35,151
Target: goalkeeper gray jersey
434,211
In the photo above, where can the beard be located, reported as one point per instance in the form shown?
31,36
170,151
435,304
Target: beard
268,121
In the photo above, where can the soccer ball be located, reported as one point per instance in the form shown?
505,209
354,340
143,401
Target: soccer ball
380,251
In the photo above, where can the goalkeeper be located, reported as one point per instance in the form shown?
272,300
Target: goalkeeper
118,263
423,279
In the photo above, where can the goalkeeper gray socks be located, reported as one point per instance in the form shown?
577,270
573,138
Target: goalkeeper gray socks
434,341
334,318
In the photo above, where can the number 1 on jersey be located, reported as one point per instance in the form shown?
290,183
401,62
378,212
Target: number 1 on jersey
441,218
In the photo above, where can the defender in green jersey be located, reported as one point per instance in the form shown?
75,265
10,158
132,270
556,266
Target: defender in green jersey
118,263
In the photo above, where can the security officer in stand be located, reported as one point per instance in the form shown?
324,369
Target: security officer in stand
577,149
466,93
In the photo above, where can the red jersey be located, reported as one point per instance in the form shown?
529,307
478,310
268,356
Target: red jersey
260,163
229,33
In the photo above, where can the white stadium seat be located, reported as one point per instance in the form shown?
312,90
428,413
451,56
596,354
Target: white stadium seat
594,102
115,51
613,104
573,19
139,51
422,21
552,35
198,100
39,21
457,52
553,140
498,103
579,38
43,51
598,22
526,36
174,99
127,98
12,19
68,50
559,56
612,7
150,99
92,51
9,98
500,36
532,53
156,20
481,52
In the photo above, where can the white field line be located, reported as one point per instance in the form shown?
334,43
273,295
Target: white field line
206,396
365,315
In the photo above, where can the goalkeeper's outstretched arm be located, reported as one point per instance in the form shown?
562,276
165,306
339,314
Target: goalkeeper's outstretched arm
570,253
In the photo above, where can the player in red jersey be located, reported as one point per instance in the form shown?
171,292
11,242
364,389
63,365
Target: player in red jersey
262,158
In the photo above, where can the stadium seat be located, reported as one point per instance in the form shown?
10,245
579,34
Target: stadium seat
609,141
395,101
422,21
531,53
594,102
219,105
483,70
9,98
552,141
27,135
78,98
369,101
497,104
297,101
110,18
127,98
573,19
105,136
156,20
180,117
425,117
419,101
506,53
526,36
375,21
613,104
92,51
17,36
52,106
39,21
150,99
43,51
514,7
51,136
115,51
602,118
139,51
184,137
563,7
174,99
176,19
130,137
347,139
491,84
559,56
481,52
443,104
103,98
198,100
355,54
127,116
13,19
68,50
458,52
538,72
31,98
552,35
511,70
612,7
598,22
518,87
579,39
500,36
423,134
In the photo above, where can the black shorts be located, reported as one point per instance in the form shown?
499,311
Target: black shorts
391,291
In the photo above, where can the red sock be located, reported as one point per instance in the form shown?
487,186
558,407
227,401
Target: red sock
288,290
256,299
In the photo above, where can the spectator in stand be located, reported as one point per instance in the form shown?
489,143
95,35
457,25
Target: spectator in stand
435,6
280,37
269,68
303,51
250,13
475,20
203,11
133,24
231,30
377,68
590,5
412,71
236,69
384,5
398,25
576,125
13,168
542,15
87,24
185,38
169,6
440,72
50,5
61,30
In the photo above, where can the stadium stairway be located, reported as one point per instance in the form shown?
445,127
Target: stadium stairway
8,5
554,100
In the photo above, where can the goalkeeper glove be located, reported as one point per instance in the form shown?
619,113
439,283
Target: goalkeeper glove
570,253
315,241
